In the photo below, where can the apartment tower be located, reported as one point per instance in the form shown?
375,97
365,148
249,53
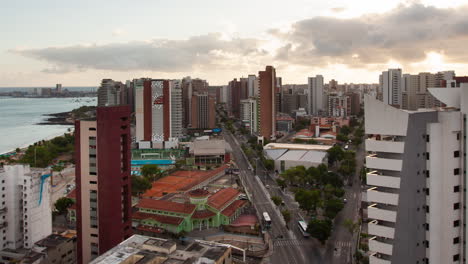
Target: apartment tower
266,103
315,96
102,156
416,162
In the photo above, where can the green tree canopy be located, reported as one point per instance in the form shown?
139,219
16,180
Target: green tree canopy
335,154
320,229
276,200
151,172
140,185
62,204
286,215
333,207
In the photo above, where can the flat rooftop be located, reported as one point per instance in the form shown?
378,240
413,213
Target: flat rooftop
297,146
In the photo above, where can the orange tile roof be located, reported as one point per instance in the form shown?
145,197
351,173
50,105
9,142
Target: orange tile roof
171,220
202,214
180,181
166,206
72,194
222,198
232,208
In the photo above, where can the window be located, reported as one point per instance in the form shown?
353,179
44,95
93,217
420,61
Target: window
456,257
92,182
456,206
456,154
427,208
427,174
427,138
456,171
426,225
456,223
458,136
427,191
92,129
456,188
427,155
456,240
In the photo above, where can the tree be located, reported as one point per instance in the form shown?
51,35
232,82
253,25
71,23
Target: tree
342,138
350,225
281,183
335,154
269,164
345,130
140,185
179,163
286,215
308,199
151,172
320,229
62,204
18,150
333,207
276,200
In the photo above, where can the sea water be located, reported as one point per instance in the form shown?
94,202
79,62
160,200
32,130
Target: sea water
19,118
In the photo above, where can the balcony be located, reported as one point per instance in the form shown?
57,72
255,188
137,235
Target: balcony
382,212
381,229
382,195
376,162
385,146
377,258
374,178
379,246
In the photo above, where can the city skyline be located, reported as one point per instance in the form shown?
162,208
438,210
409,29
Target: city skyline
350,42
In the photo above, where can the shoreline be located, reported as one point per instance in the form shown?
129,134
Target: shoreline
24,147
63,118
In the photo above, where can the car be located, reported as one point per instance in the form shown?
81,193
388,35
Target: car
345,200
346,147
267,186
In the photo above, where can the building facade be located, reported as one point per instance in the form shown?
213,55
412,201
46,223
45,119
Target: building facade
103,181
266,103
417,168
315,95
391,87
25,206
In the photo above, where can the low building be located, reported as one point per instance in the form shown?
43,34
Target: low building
296,146
142,249
292,158
210,152
284,123
55,249
202,211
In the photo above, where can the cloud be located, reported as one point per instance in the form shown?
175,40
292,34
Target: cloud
162,55
338,9
118,32
406,34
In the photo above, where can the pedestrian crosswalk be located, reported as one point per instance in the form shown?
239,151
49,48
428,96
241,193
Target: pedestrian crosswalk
287,242
343,244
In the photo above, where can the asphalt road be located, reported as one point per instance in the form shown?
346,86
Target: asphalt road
339,247
289,244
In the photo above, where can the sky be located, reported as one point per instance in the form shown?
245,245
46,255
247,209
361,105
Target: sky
78,43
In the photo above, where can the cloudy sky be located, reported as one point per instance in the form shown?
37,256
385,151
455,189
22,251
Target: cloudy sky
77,43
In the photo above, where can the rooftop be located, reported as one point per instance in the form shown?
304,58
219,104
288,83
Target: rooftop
209,147
166,206
231,209
198,193
180,181
296,146
224,196
171,220
142,249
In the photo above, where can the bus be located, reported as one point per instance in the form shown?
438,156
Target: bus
266,220
303,228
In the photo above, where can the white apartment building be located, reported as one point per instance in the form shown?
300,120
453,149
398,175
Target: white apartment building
176,109
252,85
391,87
417,179
248,114
25,210
315,95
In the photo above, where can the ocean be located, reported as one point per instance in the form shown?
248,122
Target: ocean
18,118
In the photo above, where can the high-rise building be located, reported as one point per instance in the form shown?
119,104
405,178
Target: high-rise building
234,105
111,93
410,89
203,111
390,85
417,180
267,102
249,114
159,112
339,105
103,198
189,87
252,85
58,88
25,210
315,95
